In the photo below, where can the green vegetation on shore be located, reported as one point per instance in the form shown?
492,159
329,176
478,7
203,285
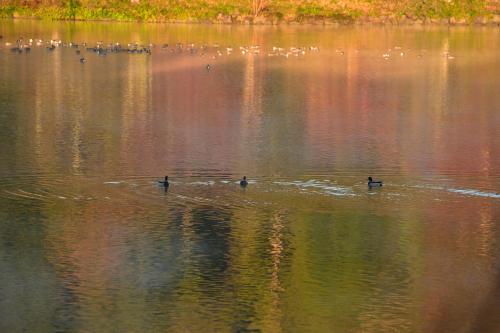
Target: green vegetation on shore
258,11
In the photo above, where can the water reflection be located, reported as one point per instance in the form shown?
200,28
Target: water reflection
89,241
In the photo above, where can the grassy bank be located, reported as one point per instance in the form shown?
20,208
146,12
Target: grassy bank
258,11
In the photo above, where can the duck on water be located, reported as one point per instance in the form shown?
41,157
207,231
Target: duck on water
165,182
244,182
374,183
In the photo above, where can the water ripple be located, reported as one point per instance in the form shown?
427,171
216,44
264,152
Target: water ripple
468,192
325,186
476,193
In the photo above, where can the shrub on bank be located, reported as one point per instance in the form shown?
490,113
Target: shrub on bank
247,10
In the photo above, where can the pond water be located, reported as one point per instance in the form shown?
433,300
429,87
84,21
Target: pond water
90,242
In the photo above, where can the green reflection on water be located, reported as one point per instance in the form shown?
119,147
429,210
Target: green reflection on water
90,243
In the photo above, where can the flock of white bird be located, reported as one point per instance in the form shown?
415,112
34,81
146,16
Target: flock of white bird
22,45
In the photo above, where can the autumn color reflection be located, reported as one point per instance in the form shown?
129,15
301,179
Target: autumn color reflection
91,242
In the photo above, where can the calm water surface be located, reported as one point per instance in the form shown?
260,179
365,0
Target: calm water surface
90,243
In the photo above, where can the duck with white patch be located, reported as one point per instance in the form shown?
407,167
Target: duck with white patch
374,183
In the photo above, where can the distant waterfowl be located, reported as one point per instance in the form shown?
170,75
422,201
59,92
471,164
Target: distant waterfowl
448,55
374,183
100,48
243,182
165,182
82,60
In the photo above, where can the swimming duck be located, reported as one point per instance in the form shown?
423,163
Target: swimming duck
82,60
165,182
243,182
374,183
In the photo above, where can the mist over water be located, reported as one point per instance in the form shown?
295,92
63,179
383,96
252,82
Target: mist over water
89,241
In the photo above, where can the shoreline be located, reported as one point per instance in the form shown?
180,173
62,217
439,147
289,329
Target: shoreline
369,21
363,12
